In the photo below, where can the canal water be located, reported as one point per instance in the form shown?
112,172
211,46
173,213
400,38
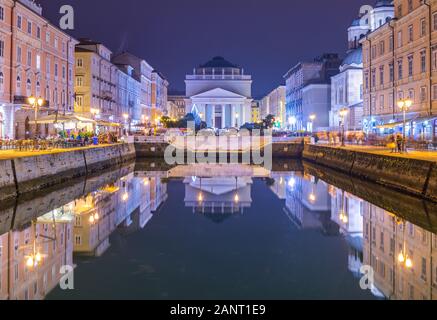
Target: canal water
215,233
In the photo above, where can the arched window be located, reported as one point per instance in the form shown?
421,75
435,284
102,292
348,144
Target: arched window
47,93
18,83
38,89
2,80
29,87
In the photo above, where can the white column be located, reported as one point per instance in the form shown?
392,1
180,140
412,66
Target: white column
223,116
232,115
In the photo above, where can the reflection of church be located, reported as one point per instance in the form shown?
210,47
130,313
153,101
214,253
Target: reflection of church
219,195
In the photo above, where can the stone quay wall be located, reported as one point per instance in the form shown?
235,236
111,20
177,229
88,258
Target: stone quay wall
417,177
23,175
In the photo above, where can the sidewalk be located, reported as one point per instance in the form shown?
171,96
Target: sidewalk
13,154
419,155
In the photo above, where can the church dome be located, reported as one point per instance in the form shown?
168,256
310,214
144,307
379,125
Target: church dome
219,62
355,57
219,65
384,3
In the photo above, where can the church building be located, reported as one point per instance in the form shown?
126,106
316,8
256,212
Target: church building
220,94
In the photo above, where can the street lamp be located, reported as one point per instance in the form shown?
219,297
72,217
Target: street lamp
36,103
126,117
343,113
312,118
404,105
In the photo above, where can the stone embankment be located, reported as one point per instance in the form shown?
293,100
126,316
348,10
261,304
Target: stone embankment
21,175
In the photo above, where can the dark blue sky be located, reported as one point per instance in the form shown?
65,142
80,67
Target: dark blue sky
266,37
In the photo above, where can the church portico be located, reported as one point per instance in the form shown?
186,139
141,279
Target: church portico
222,102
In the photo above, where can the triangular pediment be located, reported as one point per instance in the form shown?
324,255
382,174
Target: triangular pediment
218,93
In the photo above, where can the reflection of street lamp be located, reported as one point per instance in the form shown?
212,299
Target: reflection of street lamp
237,196
343,113
36,103
404,105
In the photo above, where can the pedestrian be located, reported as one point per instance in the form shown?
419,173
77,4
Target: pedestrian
392,143
399,143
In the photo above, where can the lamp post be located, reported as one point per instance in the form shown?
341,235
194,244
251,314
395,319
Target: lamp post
36,103
404,105
126,117
343,113
312,118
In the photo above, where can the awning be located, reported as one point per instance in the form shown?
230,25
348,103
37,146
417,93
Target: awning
391,125
103,123
58,118
425,119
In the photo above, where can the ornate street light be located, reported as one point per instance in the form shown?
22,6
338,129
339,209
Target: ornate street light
404,105
36,103
343,113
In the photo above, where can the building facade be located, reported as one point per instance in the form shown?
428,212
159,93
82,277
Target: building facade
400,60
274,104
347,86
220,93
36,59
318,72
159,95
96,81
129,96
176,105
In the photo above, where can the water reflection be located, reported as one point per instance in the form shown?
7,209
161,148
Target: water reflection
61,227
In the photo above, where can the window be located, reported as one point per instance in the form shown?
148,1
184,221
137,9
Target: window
64,73
48,63
391,40
410,5
373,78
38,88
19,22
411,94
29,27
2,14
423,61
381,47
48,36
18,83
56,69
79,62
399,39
79,101
38,32
434,92
78,240
38,62
79,81
56,43
29,87
29,58
381,75
19,54
381,108
400,71
2,48
410,33
2,81
410,65
422,94
434,21
366,80
422,27
392,72
373,52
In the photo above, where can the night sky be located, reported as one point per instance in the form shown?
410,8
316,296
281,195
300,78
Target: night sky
266,37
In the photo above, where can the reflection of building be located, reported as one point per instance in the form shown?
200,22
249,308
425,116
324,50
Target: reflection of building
347,212
100,213
221,195
279,184
385,239
308,205
31,259
221,93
